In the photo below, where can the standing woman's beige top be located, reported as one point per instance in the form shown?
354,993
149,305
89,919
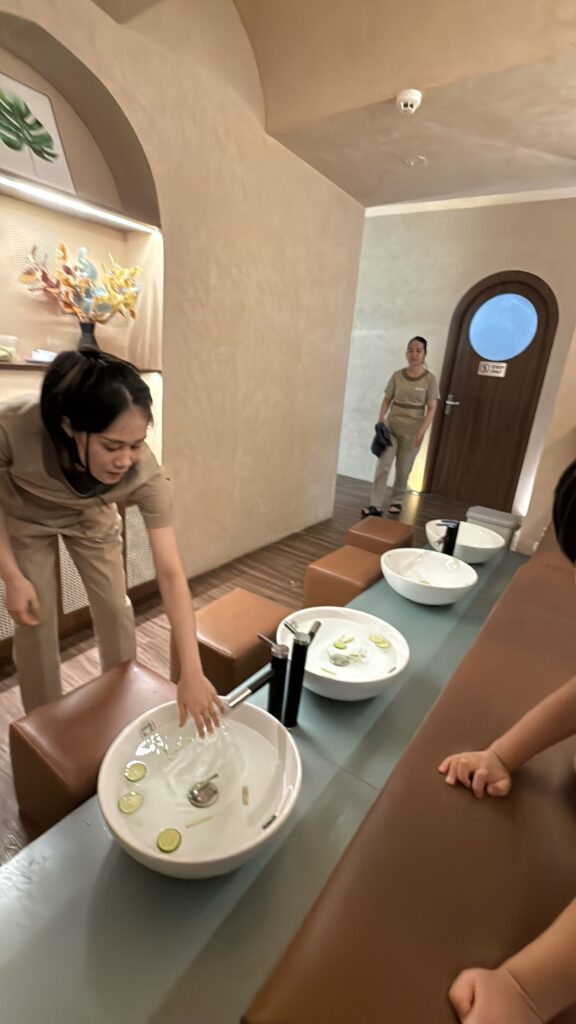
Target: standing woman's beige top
409,397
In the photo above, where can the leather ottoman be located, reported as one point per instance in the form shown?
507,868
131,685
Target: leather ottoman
57,749
227,630
380,535
340,576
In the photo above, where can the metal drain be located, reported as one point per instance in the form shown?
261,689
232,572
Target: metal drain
204,794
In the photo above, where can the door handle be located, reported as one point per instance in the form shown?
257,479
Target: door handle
450,401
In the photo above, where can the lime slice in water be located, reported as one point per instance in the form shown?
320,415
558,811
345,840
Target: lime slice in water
130,802
168,840
135,770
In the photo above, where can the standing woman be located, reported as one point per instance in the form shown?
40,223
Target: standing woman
65,462
410,402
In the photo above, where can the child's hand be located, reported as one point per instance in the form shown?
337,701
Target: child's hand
491,997
482,771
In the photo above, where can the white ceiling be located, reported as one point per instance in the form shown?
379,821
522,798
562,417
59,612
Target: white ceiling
506,132
498,77
484,128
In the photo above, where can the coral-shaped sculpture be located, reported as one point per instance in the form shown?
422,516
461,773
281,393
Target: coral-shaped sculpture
76,287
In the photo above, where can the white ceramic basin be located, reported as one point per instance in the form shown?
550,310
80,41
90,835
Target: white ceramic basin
373,666
474,544
258,780
427,577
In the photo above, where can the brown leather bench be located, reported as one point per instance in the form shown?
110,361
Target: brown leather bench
435,881
57,749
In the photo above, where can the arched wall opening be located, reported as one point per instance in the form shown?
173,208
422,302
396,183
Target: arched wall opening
109,167
96,107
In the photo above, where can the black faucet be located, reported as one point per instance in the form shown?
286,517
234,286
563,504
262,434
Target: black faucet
449,538
300,645
275,678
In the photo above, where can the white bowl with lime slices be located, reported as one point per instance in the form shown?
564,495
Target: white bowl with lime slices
354,655
192,807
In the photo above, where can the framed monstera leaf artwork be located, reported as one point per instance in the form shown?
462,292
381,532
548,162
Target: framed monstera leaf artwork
30,144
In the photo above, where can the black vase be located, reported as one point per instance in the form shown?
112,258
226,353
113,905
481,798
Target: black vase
87,338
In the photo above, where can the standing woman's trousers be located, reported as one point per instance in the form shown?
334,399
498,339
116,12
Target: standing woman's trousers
403,450
95,546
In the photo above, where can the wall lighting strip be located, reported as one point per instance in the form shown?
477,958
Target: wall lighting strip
69,204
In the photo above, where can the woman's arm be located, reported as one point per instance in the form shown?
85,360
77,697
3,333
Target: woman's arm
551,721
384,408
21,598
195,692
430,410
532,987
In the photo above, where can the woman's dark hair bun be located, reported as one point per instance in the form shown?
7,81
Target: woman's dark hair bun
91,388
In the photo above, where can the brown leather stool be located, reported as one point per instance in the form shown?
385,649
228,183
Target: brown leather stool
379,535
57,749
340,576
227,630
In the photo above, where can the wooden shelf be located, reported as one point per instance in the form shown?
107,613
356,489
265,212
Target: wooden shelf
44,366
23,366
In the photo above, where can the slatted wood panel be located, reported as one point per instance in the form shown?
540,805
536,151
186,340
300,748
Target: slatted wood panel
276,571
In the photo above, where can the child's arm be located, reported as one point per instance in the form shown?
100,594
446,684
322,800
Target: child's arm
490,770
546,969
532,986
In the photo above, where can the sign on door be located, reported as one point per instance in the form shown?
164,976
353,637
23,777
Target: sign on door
486,369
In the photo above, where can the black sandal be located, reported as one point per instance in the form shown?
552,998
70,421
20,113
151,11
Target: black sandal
371,510
394,509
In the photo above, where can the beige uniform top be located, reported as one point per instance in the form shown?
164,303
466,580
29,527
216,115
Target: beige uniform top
34,489
409,397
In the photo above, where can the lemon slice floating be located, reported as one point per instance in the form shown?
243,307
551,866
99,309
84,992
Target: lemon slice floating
168,840
380,641
135,770
130,802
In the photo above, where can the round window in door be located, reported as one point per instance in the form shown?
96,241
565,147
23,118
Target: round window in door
503,327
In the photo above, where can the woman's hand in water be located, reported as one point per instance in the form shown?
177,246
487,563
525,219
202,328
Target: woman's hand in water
22,601
197,697
491,997
482,771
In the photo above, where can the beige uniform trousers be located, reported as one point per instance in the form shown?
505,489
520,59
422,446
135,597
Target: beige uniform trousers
96,550
403,450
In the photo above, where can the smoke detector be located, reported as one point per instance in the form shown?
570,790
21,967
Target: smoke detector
408,101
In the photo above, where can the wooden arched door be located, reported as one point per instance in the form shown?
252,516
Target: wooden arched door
498,348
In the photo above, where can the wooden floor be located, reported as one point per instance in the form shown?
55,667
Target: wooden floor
276,571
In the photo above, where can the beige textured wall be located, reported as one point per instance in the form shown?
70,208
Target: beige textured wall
218,40
261,259
414,270
35,319
318,57
90,172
